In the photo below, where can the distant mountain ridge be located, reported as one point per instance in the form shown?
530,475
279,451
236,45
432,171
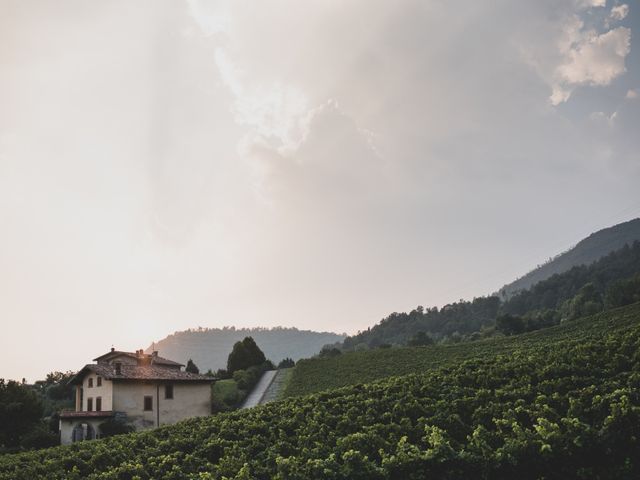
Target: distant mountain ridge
587,251
210,347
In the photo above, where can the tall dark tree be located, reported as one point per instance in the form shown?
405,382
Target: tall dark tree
192,367
245,354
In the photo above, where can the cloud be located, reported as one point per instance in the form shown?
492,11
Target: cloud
275,113
603,117
596,59
589,58
590,3
165,164
632,94
619,12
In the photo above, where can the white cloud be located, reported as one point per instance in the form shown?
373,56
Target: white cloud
276,114
632,94
604,118
597,59
588,58
211,18
619,12
590,3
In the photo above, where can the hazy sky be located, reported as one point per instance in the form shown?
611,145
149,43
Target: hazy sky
319,164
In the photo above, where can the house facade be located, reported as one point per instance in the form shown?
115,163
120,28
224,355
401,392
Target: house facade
143,390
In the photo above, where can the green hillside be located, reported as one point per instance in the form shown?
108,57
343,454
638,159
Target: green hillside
317,374
611,281
585,252
562,403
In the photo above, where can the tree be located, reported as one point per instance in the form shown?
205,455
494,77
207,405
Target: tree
20,412
245,354
510,324
420,339
328,351
587,301
623,292
192,367
287,363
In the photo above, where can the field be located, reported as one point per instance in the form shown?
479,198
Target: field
557,404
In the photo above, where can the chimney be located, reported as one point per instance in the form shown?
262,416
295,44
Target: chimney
113,349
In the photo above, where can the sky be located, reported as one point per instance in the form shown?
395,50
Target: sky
318,164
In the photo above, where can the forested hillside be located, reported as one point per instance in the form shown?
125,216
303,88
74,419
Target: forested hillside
612,281
592,248
210,347
562,403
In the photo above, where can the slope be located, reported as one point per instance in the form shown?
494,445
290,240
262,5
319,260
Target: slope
580,291
560,403
318,374
588,250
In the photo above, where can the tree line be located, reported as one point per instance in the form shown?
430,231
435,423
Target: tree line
612,281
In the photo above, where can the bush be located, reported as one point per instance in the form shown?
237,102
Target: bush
329,352
420,339
287,363
39,437
113,426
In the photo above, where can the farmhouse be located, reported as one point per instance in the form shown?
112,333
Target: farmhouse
143,390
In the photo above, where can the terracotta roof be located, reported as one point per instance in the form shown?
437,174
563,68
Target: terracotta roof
72,414
135,372
156,359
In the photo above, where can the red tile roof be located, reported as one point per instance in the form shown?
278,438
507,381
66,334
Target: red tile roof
145,356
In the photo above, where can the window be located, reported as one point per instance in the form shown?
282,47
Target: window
90,382
148,403
98,404
89,404
168,392
118,368
99,381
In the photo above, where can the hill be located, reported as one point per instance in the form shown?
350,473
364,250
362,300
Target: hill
318,374
582,290
209,348
587,251
559,403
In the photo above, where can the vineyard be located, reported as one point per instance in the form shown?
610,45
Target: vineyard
561,403
318,374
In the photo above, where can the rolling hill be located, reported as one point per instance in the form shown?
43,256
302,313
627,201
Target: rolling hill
579,291
209,348
588,250
557,403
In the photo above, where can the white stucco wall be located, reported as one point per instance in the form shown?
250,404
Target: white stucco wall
67,425
189,400
105,391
